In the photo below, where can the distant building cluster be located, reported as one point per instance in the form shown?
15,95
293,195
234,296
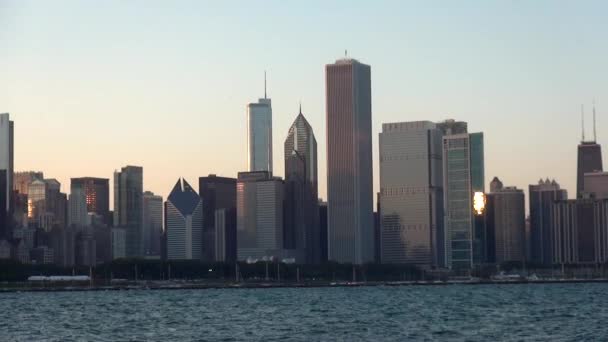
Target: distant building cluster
433,209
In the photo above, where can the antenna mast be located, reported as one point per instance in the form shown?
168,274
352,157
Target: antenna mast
594,136
583,122
265,84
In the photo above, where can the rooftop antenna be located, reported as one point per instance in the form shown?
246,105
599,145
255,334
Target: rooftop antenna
583,121
265,84
594,136
345,53
300,106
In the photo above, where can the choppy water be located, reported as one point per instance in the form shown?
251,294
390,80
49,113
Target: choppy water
569,312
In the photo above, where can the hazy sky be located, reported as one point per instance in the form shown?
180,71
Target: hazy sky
93,86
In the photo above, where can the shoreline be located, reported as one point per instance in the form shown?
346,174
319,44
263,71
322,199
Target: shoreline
212,286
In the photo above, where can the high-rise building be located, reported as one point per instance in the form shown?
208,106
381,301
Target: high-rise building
21,180
580,231
56,203
184,223
128,203
452,127
78,208
349,162
463,178
259,134
119,243
153,223
6,164
323,229
596,184
97,193
589,157
478,189
63,242
509,223
589,160
86,248
37,201
541,197
259,215
4,214
301,192
219,198
411,192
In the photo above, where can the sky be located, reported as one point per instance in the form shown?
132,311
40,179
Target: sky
94,86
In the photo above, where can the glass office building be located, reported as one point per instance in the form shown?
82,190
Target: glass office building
463,174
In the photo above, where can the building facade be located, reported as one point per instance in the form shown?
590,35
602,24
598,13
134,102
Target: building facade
541,197
219,198
349,162
184,223
595,184
463,177
97,194
77,212
128,207
153,223
259,205
7,170
580,231
589,160
301,191
411,192
509,224
119,243
259,134
22,180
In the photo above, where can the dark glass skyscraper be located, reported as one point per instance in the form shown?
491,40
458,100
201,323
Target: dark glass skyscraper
97,195
6,164
463,174
542,196
219,197
301,202
128,207
4,214
349,162
589,160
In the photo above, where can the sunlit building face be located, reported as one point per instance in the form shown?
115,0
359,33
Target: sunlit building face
479,203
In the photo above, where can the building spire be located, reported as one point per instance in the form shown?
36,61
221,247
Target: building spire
300,106
583,122
594,133
265,84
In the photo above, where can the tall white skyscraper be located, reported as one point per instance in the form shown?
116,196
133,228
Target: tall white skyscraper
411,192
349,162
259,134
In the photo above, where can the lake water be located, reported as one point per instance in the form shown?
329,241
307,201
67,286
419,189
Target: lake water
568,312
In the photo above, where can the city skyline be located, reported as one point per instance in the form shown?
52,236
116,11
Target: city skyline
84,93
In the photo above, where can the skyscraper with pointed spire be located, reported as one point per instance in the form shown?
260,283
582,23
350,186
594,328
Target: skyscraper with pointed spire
301,203
259,134
589,156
